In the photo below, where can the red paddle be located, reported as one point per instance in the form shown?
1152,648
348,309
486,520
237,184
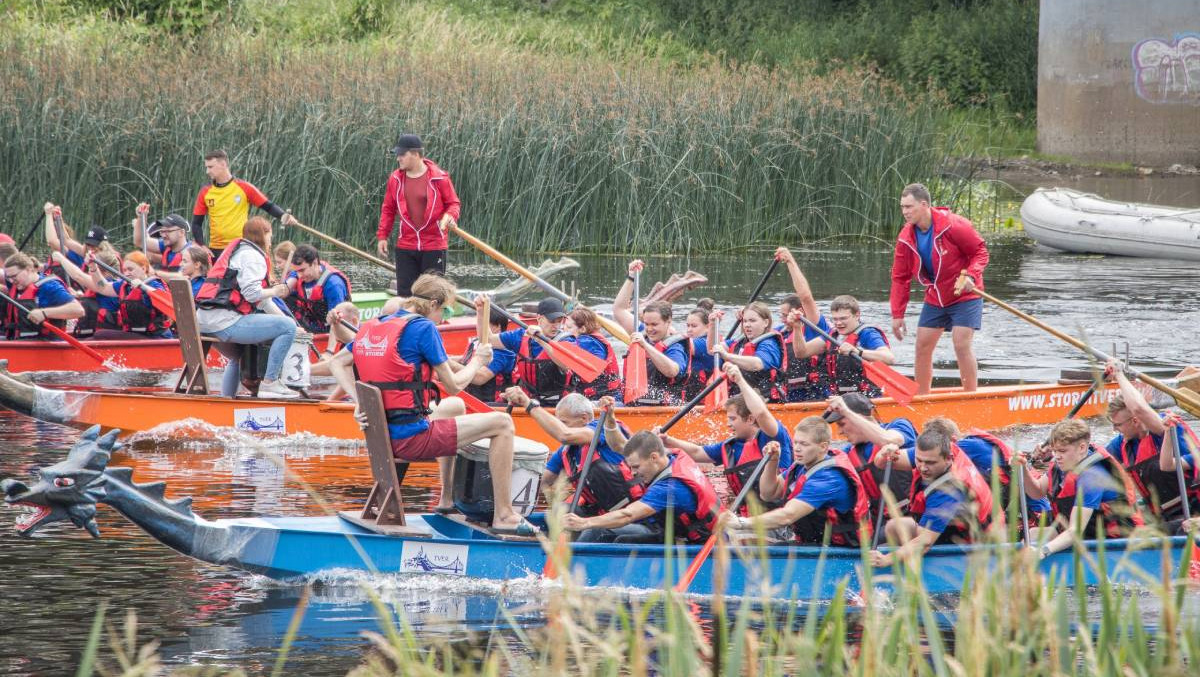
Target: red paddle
718,392
635,359
159,298
59,332
474,404
574,358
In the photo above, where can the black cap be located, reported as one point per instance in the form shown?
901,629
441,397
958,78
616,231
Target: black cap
551,309
855,402
169,221
95,236
406,143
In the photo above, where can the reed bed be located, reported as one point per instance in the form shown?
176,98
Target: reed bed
547,153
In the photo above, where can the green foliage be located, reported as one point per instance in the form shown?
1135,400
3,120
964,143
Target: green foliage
187,17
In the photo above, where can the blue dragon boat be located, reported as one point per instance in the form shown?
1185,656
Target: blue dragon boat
300,547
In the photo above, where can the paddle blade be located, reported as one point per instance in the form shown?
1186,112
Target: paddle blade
895,385
474,404
161,299
715,400
635,373
586,365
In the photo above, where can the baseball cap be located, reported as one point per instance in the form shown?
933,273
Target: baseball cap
95,236
855,402
169,221
407,142
5,238
551,309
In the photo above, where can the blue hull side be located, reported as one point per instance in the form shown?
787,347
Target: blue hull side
295,547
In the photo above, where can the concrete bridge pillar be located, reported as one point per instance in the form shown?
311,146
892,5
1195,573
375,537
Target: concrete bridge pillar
1119,80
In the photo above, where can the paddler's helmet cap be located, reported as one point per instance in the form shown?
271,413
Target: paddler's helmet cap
406,143
551,309
95,236
855,402
169,221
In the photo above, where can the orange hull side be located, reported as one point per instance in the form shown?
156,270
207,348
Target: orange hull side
990,408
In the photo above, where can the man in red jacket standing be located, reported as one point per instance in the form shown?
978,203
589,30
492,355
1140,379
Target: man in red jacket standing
422,195
934,246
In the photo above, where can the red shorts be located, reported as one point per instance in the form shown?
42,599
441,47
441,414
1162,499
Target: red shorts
440,439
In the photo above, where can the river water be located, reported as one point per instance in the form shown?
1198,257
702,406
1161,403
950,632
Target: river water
52,584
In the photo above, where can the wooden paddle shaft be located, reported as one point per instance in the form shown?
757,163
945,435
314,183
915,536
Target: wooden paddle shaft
587,462
338,243
1192,404
41,218
691,404
611,327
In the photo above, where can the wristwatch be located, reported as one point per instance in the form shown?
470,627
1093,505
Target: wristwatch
533,404
1045,551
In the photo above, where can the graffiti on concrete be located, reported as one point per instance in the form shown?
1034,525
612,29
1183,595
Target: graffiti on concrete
1168,72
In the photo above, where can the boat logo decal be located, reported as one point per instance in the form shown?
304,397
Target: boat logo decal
433,558
261,420
365,314
1057,400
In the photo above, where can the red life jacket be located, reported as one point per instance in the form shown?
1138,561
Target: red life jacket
738,472
609,486
407,392
769,382
539,376
976,510
872,477
309,304
607,383
169,260
137,314
846,371
1156,486
16,323
220,288
844,526
1119,516
490,391
805,380
695,526
663,391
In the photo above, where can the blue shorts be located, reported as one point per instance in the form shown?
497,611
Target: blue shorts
961,314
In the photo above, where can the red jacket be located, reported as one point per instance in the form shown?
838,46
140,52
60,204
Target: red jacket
956,246
421,233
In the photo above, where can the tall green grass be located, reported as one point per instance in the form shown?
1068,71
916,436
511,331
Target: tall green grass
547,153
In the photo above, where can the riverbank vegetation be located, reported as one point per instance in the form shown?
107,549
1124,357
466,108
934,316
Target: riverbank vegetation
566,125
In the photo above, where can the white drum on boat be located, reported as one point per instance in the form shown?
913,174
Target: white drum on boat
297,372
473,478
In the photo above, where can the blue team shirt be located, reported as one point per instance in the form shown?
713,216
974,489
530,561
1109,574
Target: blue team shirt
669,492
925,249
905,428
941,507
1181,439
782,437
809,333
1095,486
197,282
702,360
768,350
419,344
503,361
979,451
870,338
511,340
589,343
334,289
556,462
828,488
53,293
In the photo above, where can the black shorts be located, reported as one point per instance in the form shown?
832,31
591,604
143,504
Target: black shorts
412,263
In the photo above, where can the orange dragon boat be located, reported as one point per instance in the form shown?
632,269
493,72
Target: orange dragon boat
990,408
